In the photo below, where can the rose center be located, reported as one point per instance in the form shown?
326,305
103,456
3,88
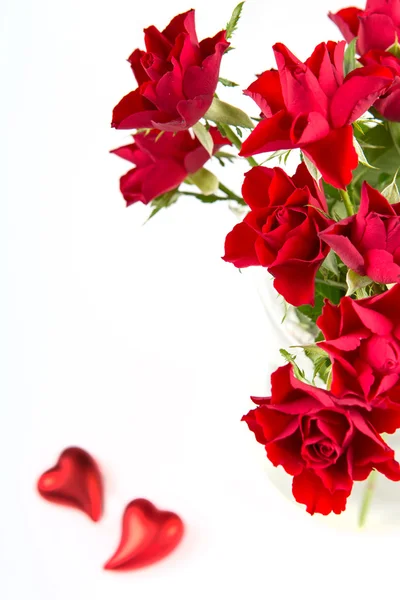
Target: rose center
325,449
321,453
147,60
281,215
382,353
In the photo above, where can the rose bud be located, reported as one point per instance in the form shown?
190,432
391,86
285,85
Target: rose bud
177,77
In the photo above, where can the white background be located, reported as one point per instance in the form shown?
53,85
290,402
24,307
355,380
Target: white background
139,343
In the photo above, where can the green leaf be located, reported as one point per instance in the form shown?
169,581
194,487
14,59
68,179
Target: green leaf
339,211
320,360
204,137
394,129
221,112
332,194
233,21
286,156
312,169
163,201
280,155
360,153
350,57
206,181
322,291
227,82
290,358
394,48
355,281
381,145
313,351
225,155
330,263
391,192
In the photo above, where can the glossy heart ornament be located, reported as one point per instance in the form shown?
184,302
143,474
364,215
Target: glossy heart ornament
74,481
148,535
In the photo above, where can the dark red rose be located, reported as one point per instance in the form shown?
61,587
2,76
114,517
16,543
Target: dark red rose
310,106
177,77
369,242
388,104
325,442
376,27
281,230
162,162
362,338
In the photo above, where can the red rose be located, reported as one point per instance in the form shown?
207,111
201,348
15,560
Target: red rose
369,242
162,163
177,77
310,106
362,338
326,443
384,412
388,104
376,27
281,230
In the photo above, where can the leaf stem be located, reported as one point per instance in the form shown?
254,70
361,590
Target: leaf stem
211,197
230,193
347,202
367,497
336,284
232,137
329,380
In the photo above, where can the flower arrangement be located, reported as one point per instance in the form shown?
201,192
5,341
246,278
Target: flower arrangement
329,234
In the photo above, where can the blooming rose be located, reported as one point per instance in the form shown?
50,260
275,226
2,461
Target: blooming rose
162,163
310,106
326,443
362,338
369,242
177,77
376,27
389,103
281,230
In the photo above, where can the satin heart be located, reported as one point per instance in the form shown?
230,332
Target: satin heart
74,481
148,535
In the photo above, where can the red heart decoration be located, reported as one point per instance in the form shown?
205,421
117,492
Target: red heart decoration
148,535
74,481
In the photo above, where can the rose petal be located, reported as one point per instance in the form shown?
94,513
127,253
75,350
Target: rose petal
239,246
269,135
266,91
359,91
347,21
334,156
308,489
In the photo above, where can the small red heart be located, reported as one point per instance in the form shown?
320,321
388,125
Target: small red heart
148,535
74,481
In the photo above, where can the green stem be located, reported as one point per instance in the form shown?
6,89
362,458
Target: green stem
211,197
230,193
232,137
336,284
366,501
201,196
347,202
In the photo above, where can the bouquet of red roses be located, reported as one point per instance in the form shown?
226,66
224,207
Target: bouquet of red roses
329,234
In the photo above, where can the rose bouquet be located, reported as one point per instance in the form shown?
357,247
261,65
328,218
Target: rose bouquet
329,234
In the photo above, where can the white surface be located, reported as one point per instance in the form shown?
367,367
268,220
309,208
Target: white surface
138,343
